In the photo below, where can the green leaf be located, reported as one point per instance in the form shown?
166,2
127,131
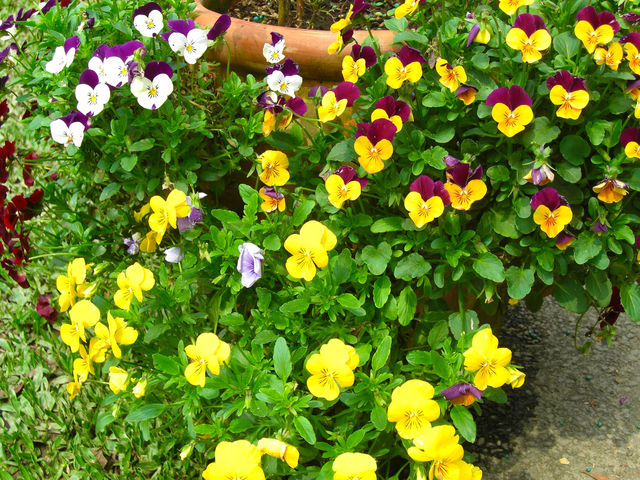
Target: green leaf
570,173
434,157
434,99
570,295
596,130
407,304
541,131
302,212
574,149
104,419
282,359
142,145
458,324
381,291
379,418
381,355
519,282
496,395
109,191
599,287
438,333
587,246
411,266
504,223
487,265
305,429
348,300
440,365
146,412
225,216
396,24
630,298
376,259
127,162
247,193
389,224
272,242
463,421
498,172
298,305
343,152
166,364
233,319
567,45
481,61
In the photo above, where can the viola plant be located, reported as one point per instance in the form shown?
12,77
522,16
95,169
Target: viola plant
242,277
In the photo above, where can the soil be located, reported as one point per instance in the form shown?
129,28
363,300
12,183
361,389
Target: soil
576,415
314,14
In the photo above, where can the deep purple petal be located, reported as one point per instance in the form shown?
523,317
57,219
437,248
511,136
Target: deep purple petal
275,38
517,97
297,105
548,197
347,90
473,34
360,6
608,18
394,107
271,192
153,69
289,67
529,23
222,25
409,55
184,224
629,135
600,227
7,24
48,6
424,186
76,117
439,190
499,95
562,77
588,14
638,241
362,129
381,129
459,174
633,37
346,173
365,52
146,9
71,42
99,52
313,91
181,26
347,35
89,77
631,17
460,389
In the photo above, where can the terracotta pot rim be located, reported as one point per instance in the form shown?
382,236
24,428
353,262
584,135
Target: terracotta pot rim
305,46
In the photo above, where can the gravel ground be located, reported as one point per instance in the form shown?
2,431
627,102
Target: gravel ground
575,413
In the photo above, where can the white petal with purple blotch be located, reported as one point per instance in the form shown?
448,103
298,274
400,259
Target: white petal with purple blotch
61,133
97,65
151,94
116,71
58,62
273,53
92,100
288,85
150,25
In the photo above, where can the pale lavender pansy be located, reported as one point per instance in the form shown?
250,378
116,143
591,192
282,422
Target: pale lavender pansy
153,89
148,19
116,62
195,216
273,52
63,55
91,95
133,243
173,255
250,264
69,129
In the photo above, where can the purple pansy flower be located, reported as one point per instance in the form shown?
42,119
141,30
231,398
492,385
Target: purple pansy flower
274,52
600,227
377,130
283,78
366,52
69,129
631,17
611,313
348,174
297,106
250,264
540,175
512,97
359,6
153,89
462,394
5,53
91,94
186,39
408,55
427,188
221,26
148,19
63,55
567,81
348,91
45,310
133,243
564,240
116,62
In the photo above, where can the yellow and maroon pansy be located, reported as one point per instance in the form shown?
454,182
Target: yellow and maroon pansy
275,166
551,211
394,110
426,200
465,185
450,76
407,8
511,6
564,240
271,200
530,36
405,66
478,34
631,43
630,140
373,144
354,65
462,394
611,55
342,38
595,29
511,109
335,101
610,190
466,93
634,92
344,184
569,92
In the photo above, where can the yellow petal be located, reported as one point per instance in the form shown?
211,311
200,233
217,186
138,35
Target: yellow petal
516,38
195,373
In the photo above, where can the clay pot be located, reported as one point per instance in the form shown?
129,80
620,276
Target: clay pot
306,47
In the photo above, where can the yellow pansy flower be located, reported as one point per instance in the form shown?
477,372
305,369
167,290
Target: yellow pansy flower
352,69
412,408
354,466
516,378
331,107
489,361
140,388
450,76
83,314
611,56
278,449
72,285
274,168
440,446
571,103
339,191
165,212
118,379
397,73
132,282
407,8
207,353
331,369
235,460
529,35
116,334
